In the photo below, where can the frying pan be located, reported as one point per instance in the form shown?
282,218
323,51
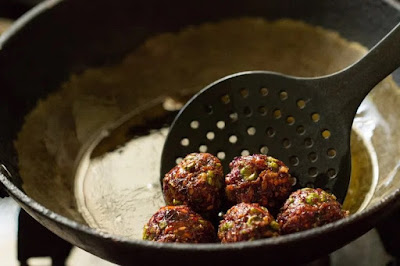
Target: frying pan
58,38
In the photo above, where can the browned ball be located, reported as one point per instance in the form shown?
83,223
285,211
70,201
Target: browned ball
178,224
197,181
308,208
258,178
246,222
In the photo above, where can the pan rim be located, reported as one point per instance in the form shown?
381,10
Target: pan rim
19,195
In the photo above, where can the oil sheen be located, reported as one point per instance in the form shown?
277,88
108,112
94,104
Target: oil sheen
117,190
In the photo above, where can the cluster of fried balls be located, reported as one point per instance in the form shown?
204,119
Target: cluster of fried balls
256,186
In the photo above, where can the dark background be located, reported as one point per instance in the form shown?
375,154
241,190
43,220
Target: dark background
15,8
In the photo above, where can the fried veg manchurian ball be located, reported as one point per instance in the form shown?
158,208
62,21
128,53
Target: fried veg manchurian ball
178,224
308,208
247,221
258,178
197,182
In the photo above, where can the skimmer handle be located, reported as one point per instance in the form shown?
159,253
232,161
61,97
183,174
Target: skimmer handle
360,78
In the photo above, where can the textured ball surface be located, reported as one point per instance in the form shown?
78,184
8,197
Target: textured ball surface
246,222
197,182
178,224
309,208
259,179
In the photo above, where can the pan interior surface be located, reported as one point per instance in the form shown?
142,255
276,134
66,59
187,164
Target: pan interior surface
115,187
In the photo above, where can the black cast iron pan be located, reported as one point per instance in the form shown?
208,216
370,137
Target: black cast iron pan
58,38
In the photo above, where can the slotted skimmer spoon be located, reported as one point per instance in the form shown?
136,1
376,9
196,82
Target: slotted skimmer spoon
305,122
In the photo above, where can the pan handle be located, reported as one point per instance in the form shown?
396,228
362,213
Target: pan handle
389,232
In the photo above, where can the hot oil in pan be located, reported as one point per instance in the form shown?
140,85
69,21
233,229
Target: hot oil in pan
117,182
117,179
121,188
118,191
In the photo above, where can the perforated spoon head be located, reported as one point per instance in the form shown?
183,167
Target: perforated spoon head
305,122
268,113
